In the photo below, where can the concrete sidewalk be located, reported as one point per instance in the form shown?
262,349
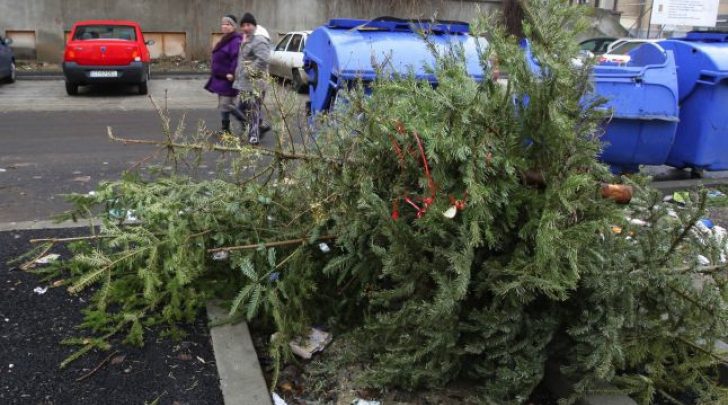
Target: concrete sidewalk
57,75
50,95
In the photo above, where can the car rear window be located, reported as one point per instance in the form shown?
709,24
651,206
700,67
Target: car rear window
626,48
121,32
295,45
282,45
603,46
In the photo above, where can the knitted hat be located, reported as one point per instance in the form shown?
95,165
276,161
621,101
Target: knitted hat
230,19
248,18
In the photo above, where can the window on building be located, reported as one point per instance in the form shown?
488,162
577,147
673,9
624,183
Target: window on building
167,44
215,38
24,43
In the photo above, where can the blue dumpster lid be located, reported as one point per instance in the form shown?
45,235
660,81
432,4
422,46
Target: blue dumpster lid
355,47
705,36
702,57
349,49
398,24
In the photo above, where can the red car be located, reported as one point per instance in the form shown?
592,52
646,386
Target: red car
106,51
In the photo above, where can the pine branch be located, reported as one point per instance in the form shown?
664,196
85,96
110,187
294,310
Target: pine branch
75,239
169,144
92,343
692,300
98,367
288,258
528,15
703,350
30,263
139,163
90,278
700,269
269,244
686,231
311,208
269,169
670,398
96,237
284,118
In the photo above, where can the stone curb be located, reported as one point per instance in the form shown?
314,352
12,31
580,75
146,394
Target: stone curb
241,378
37,225
671,186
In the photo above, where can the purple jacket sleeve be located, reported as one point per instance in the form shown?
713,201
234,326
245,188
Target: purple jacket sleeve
234,52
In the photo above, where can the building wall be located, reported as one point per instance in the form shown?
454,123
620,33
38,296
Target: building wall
199,19
636,15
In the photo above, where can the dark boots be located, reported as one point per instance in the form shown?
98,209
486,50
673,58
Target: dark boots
225,129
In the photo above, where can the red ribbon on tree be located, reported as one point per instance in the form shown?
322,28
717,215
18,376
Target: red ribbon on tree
432,186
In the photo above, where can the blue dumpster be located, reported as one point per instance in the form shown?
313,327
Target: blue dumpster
642,100
702,136
346,50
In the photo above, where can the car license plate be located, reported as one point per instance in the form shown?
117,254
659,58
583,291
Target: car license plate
104,73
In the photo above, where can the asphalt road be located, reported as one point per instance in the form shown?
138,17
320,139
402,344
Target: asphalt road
52,144
43,154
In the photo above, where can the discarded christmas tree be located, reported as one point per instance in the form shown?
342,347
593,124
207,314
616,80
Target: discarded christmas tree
448,233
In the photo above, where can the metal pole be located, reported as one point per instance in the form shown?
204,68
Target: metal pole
649,22
640,19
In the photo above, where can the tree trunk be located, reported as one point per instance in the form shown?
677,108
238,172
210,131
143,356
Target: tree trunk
513,17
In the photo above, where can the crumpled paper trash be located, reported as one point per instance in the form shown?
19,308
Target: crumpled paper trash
48,258
365,402
277,400
40,290
316,341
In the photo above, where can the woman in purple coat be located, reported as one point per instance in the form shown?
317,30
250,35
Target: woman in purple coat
224,63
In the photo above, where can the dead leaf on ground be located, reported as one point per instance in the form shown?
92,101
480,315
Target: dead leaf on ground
118,359
184,357
286,388
82,179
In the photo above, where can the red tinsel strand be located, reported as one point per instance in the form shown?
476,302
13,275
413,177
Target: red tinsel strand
430,180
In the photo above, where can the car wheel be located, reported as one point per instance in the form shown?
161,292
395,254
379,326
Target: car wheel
13,73
297,82
143,88
71,89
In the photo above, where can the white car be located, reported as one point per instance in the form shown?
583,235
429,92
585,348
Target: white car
286,60
618,51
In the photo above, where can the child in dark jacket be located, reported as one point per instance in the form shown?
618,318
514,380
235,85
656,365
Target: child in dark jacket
224,64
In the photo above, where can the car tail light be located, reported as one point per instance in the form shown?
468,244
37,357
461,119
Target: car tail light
70,55
136,55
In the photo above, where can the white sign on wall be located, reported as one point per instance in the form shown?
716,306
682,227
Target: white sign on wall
698,13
